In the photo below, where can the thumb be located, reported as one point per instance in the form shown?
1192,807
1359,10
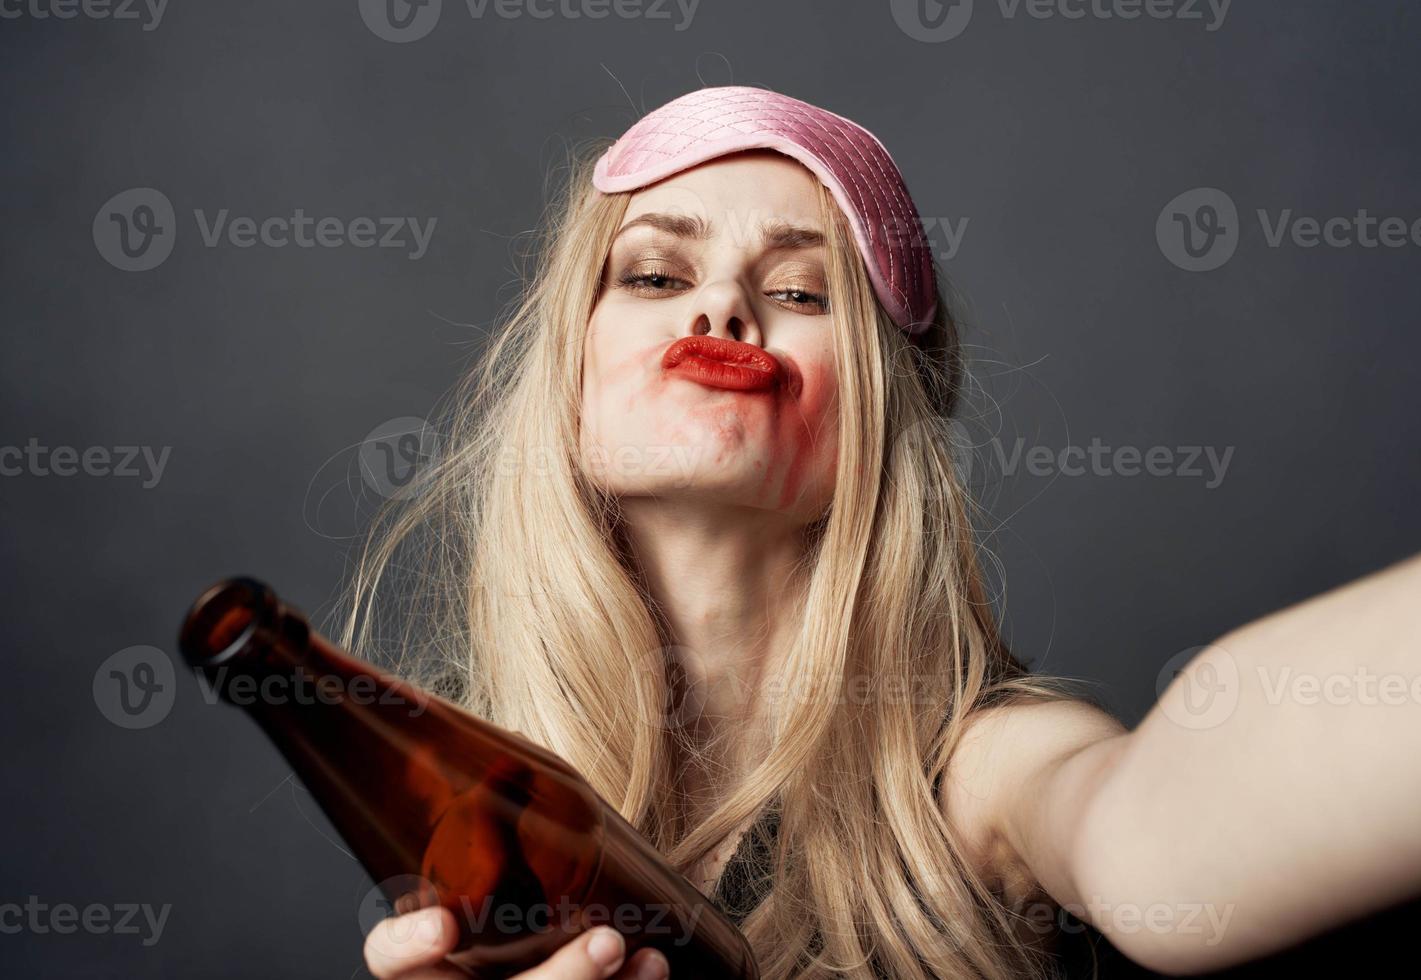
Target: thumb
591,956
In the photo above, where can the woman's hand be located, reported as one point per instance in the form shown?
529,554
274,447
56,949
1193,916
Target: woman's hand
413,947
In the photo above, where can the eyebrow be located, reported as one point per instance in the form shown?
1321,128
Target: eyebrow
776,233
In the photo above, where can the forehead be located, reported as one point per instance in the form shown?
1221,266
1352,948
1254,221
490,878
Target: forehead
750,186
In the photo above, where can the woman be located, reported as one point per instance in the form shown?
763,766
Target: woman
695,531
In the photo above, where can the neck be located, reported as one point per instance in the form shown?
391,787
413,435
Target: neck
729,583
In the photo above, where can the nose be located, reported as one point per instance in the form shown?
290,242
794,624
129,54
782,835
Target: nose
723,310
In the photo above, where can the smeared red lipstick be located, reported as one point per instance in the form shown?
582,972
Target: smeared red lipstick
720,363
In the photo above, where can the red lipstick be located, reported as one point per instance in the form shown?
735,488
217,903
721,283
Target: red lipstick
719,363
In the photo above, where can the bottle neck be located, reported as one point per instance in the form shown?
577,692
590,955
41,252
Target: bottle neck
240,629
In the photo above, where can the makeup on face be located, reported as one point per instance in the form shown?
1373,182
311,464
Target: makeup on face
718,363
658,254
711,338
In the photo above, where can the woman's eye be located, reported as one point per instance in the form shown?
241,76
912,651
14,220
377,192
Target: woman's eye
650,282
660,282
802,298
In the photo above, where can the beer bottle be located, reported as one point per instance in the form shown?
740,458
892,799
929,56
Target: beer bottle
441,806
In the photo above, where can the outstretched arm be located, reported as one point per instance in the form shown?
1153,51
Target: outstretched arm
1272,793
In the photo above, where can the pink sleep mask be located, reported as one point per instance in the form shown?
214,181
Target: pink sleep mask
847,159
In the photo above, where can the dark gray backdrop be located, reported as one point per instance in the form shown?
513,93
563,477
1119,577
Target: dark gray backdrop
1058,146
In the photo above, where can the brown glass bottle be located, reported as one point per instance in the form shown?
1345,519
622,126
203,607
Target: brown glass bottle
441,806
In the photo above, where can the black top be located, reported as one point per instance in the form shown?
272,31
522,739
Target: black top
744,882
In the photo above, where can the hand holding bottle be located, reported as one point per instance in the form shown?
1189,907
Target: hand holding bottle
413,946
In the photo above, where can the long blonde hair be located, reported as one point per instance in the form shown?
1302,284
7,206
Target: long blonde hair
505,583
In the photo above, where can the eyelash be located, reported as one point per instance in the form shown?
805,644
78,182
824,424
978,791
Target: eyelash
633,280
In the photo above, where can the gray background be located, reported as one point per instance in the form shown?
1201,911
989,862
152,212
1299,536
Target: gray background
263,368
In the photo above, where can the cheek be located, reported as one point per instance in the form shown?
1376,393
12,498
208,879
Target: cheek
596,368
617,380
807,446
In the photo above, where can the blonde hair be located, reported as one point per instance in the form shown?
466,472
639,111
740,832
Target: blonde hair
505,583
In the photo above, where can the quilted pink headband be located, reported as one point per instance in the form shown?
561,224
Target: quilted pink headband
847,159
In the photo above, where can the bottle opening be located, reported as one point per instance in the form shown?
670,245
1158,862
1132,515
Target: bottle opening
223,619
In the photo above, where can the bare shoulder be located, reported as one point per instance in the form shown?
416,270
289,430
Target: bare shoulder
1016,782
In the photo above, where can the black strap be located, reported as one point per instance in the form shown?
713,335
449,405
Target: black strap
745,880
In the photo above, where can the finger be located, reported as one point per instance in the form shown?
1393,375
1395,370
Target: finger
404,943
594,955
645,964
